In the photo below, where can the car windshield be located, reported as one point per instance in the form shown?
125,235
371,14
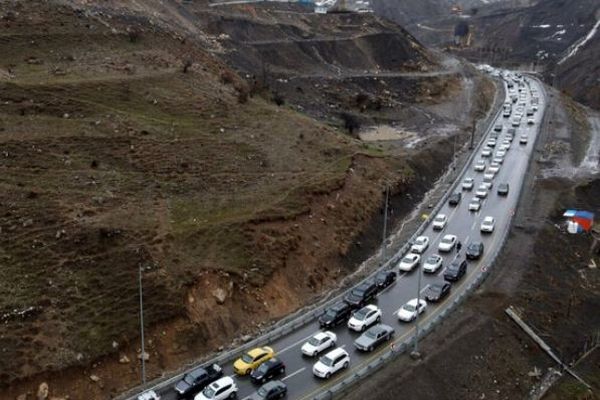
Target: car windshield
447,240
435,289
408,259
331,313
358,292
432,259
409,307
188,379
453,267
314,341
440,218
474,247
382,276
420,240
263,368
208,392
361,314
371,334
326,361
247,358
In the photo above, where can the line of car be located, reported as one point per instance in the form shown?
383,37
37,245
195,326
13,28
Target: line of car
356,310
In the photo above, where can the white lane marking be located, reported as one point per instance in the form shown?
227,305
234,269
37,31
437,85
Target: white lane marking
467,240
474,223
442,271
295,344
425,288
293,373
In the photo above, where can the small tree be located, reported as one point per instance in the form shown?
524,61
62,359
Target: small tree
351,122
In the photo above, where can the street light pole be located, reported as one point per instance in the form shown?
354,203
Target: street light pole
415,353
385,213
143,354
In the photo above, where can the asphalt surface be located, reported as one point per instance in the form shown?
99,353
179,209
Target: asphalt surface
301,382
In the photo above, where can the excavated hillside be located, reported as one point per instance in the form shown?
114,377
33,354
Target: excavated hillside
180,141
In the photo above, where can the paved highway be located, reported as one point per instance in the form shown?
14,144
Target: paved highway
461,222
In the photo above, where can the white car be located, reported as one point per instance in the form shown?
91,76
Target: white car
221,389
488,224
481,191
475,204
500,153
439,222
504,147
409,262
318,342
530,121
331,363
523,139
420,245
149,395
497,161
494,169
516,121
365,317
489,175
447,243
479,165
410,310
486,152
488,182
506,113
433,263
491,143
467,183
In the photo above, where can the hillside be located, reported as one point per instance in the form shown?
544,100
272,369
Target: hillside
174,140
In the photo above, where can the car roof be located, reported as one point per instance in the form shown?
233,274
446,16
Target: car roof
339,306
379,328
320,335
273,361
370,307
336,352
273,384
197,372
226,380
412,302
364,285
488,218
256,351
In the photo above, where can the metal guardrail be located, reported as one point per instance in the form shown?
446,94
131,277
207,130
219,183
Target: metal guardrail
400,348
308,314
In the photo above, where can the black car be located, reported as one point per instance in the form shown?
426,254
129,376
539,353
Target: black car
454,199
456,270
511,131
268,370
498,127
361,295
270,390
474,250
385,278
437,292
335,315
197,379
503,189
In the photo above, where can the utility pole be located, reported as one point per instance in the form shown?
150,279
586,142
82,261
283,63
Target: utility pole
473,128
385,213
415,353
143,354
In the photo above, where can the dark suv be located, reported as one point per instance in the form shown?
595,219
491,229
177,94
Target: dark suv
196,380
474,251
361,295
268,370
384,279
456,270
454,199
335,315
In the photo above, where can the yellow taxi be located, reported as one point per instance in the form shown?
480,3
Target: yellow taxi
252,359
